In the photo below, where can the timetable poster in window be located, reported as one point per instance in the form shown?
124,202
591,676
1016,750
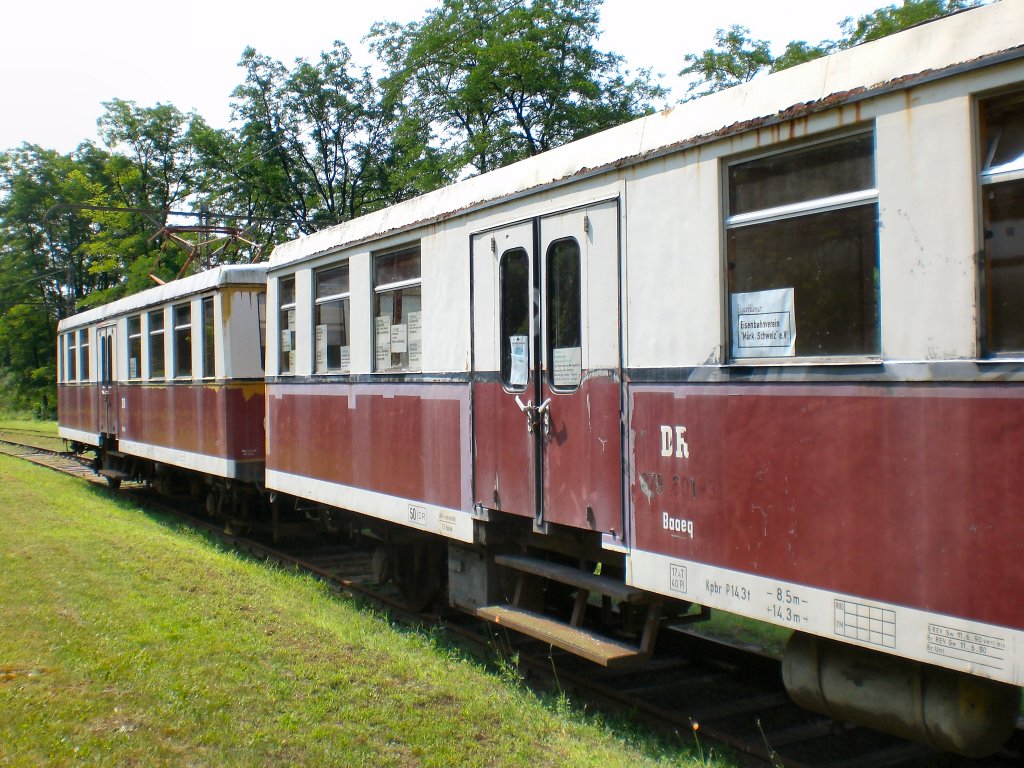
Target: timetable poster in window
763,324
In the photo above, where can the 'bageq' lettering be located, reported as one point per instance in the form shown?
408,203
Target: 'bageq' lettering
677,524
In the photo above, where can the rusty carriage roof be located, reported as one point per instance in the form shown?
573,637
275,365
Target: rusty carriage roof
211,279
961,42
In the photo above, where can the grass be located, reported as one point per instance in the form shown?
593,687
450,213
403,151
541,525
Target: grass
24,428
744,632
128,640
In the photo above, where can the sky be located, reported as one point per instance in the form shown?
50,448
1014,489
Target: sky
60,60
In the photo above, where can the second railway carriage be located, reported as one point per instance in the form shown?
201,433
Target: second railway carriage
761,352
167,384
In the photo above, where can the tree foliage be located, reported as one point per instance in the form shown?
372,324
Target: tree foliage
490,82
739,58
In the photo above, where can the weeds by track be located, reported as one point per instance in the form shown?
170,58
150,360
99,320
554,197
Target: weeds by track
694,689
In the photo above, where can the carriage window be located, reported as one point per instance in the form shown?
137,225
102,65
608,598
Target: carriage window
183,341
1002,179
565,352
332,320
156,344
72,354
397,311
209,339
84,365
514,274
802,250
286,324
135,347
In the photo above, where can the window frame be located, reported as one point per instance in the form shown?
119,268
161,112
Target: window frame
504,335
549,327
134,340
162,333
392,287
176,328
797,210
84,363
208,323
343,298
989,177
70,357
283,310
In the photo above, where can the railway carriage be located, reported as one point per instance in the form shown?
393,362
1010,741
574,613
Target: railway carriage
167,384
763,352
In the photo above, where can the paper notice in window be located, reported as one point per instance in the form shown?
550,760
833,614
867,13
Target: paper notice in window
520,360
382,331
291,361
415,341
345,359
399,339
568,362
286,341
291,319
321,348
763,323
133,368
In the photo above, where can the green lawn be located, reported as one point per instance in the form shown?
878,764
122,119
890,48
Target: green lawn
128,640
23,429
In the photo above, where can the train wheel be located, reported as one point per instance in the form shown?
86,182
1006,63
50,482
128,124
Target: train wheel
113,482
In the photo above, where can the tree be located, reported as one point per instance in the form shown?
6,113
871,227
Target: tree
740,58
311,138
737,60
490,82
151,163
895,18
44,267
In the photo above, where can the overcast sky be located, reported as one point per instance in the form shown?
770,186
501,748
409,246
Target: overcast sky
60,60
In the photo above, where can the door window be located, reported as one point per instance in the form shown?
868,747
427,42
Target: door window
514,277
564,337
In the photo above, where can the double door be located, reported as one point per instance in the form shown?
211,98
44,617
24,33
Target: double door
547,386
107,389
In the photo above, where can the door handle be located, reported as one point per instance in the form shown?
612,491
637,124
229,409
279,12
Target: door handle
531,413
544,411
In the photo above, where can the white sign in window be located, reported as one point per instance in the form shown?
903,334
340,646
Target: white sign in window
520,360
382,326
321,348
763,323
568,362
399,338
415,340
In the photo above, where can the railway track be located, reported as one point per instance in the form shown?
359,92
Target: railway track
692,689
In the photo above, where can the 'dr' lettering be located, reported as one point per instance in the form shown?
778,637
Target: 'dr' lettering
673,442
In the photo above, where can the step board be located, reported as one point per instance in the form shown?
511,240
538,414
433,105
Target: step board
114,473
566,574
596,648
